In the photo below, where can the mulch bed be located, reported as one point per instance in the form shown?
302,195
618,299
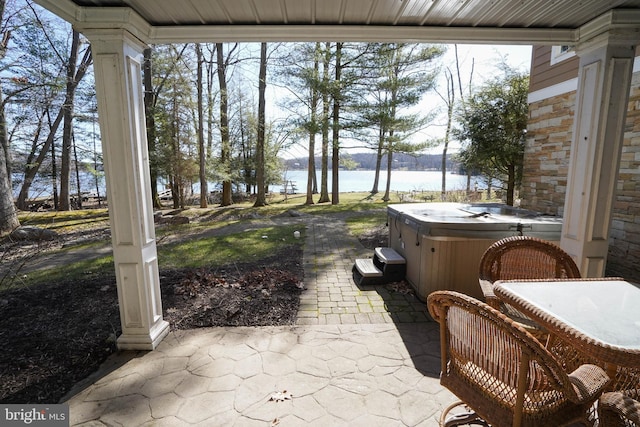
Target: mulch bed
263,293
52,336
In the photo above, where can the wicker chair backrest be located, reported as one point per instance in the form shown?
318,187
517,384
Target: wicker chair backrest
526,257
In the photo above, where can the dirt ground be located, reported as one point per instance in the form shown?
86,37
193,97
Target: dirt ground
54,335
263,293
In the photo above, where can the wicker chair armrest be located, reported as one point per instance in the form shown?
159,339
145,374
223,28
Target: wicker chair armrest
618,404
489,296
588,381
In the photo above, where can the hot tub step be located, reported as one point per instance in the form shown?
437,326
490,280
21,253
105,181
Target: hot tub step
365,273
386,266
367,268
392,264
389,256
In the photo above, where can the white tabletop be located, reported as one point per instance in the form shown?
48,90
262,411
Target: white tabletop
605,310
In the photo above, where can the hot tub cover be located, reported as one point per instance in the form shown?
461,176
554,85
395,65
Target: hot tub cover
479,220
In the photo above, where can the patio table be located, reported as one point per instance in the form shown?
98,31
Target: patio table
597,318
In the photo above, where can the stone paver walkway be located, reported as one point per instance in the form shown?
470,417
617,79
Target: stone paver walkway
357,357
332,297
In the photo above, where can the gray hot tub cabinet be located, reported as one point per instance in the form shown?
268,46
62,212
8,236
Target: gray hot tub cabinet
443,242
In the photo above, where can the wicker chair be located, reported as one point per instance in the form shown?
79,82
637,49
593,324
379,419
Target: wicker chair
503,373
522,257
618,409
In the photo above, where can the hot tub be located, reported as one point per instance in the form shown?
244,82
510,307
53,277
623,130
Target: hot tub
443,242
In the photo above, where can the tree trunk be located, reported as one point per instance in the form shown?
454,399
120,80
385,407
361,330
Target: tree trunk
202,172
8,213
248,164
324,185
176,192
261,199
77,169
32,164
211,70
450,103
33,167
95,166
376,179
311,169
387,192
54,177
390,144
511,183
65,156
150,122
312,184
335,157
225,152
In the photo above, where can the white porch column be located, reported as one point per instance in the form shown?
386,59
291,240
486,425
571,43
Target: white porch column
606,64
118,74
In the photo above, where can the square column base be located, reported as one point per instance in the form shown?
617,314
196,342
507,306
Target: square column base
144,341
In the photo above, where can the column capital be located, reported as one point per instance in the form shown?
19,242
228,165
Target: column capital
618,28
108,40
94,21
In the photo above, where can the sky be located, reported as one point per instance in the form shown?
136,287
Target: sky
482,59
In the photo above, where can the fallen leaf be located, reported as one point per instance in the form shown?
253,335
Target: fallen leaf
280,396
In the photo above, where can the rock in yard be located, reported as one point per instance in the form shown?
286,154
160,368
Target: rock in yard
33,234
174,220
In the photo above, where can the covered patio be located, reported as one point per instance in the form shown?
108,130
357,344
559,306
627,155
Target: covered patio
604,35
356,357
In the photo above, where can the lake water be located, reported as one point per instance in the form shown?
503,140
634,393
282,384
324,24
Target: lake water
400,181
350,181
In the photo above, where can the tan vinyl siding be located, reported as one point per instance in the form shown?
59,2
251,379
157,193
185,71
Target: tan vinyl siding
543,74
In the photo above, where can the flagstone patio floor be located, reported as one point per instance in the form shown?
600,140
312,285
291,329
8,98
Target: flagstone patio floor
356,357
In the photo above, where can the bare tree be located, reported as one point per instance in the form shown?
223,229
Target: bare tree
65,114
225,151
151,95
449,100
260,164
324,167
335,142
8,214
68,109
202,154
150,123
312,184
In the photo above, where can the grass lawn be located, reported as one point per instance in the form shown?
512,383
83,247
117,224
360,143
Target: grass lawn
209,245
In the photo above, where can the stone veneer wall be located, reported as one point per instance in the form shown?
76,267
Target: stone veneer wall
546,156
624,240
546,164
